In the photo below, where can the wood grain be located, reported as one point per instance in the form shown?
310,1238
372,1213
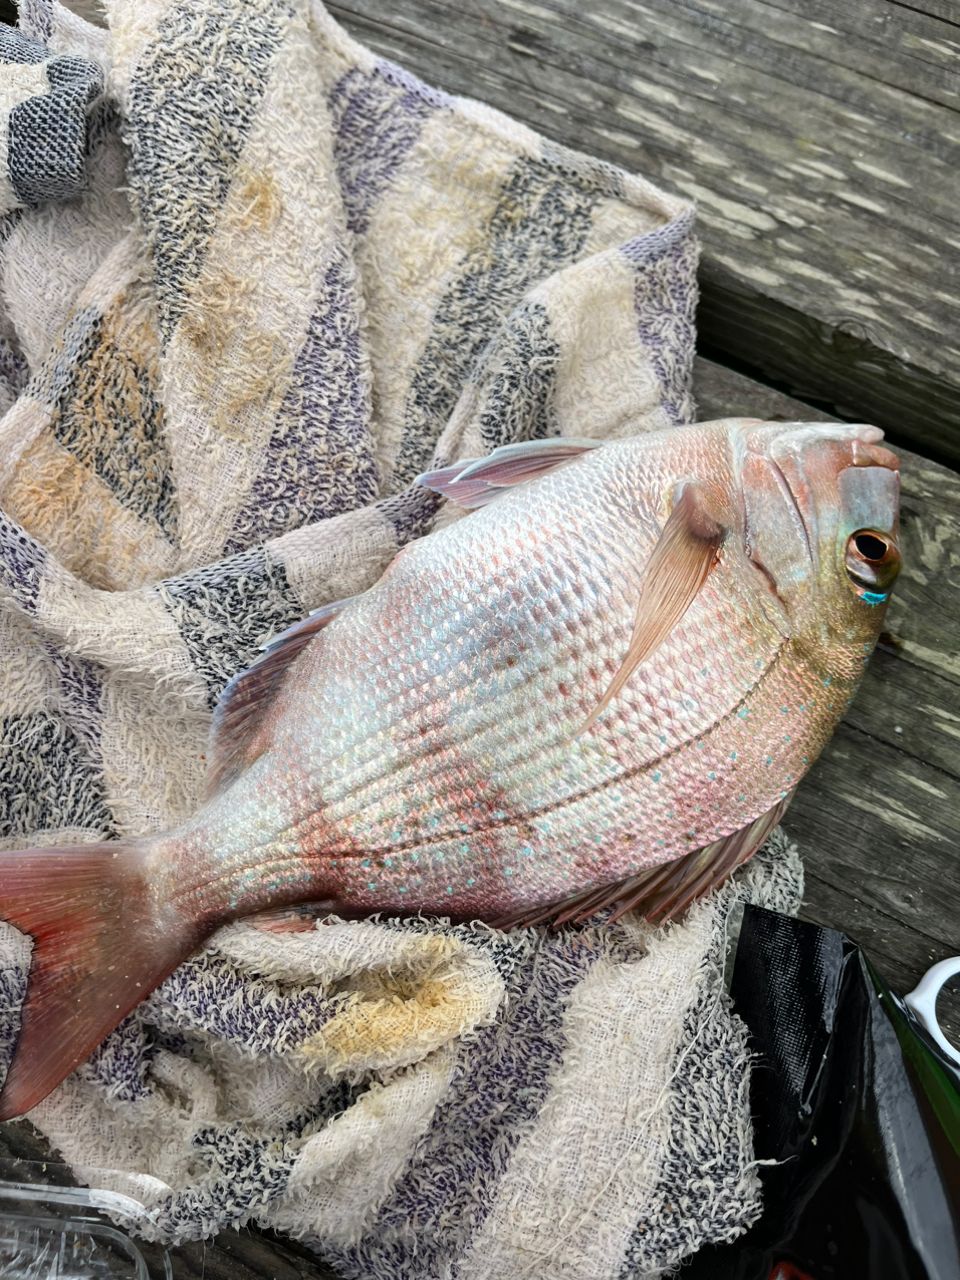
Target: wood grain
878,817
820,140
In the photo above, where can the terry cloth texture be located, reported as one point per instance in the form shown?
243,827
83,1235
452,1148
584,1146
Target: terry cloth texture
295,278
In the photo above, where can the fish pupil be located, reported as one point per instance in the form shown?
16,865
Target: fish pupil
870,546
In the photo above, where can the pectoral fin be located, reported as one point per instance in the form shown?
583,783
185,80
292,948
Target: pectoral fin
684,555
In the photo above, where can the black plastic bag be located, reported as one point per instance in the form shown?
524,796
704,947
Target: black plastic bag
858,1106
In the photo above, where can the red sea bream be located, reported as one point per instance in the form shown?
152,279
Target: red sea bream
601,686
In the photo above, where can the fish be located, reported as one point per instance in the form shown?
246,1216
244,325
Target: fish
597,687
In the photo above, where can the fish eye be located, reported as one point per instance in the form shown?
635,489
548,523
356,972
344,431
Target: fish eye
872,562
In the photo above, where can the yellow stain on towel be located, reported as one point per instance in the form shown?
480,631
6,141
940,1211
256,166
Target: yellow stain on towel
394,1018
259,196
242,369
73,513
108,410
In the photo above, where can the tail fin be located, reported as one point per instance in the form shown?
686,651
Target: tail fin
97,951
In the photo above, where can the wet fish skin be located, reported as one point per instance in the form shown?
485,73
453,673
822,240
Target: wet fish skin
425,753
433,745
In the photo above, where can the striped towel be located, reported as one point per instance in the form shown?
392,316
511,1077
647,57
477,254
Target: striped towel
253,280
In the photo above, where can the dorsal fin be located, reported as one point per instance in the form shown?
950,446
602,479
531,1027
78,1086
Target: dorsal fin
239,714
477,481
685,553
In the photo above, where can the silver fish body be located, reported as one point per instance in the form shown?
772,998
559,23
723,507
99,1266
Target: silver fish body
628,654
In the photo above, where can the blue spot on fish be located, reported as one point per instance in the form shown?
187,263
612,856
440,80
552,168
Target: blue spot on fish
743,713
733,755
712,777
657,776
874,597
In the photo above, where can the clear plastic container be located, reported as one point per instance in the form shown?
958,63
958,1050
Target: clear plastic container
53,1231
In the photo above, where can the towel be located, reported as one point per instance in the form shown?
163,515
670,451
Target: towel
253,280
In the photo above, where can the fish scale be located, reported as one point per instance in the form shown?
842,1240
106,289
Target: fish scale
627,654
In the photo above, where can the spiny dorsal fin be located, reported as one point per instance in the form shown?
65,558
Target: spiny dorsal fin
477,481
685,553
233,736
661,893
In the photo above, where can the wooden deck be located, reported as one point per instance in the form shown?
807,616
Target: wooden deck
821,141
822,144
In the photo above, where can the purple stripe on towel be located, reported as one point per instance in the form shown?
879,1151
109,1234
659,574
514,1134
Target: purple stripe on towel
22,561
501,1083
665,299
375,125
193,99
209,994
319,461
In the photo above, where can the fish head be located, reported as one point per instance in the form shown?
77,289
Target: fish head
820,510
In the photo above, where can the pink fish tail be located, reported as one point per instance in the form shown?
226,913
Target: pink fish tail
97,951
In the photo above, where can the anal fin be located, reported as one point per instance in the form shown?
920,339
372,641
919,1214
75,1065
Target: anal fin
300,918
661,893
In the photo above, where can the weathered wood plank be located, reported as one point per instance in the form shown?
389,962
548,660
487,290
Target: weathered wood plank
878,818
821,142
